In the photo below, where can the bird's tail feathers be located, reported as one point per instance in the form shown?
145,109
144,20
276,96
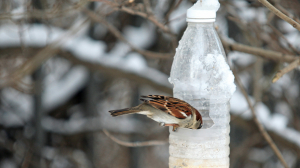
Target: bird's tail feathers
123,111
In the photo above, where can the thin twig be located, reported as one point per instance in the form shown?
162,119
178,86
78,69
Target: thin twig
284,141
268,54
276,31
280,14
27,159
152,18
44,14
148,7
296,119
180,17
119,35
134,144
258,69
285,70
259,125
286,12
239,154
171,10
114,72
146,16
33,63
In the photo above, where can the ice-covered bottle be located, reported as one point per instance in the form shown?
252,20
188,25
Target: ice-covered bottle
201,76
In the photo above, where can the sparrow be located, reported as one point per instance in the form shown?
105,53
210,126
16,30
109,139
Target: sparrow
167,111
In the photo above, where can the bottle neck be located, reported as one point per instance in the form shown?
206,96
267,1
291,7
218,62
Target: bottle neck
197,20
202,24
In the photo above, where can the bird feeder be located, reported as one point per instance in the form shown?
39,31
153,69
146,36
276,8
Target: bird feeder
201,76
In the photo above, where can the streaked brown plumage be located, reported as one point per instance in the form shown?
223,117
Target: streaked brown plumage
168,111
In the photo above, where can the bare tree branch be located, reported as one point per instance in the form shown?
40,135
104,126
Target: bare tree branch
285,70
280,14
284,38
119,35
33,63
113,72
239,153
259,125
149,16
171,10
45,14
268,54
148,7
249,126
283,10
134,144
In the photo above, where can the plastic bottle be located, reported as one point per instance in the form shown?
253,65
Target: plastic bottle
201,76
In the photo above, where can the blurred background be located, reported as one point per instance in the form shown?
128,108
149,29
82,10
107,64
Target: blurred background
65,63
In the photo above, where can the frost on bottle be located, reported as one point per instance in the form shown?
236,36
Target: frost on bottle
201,76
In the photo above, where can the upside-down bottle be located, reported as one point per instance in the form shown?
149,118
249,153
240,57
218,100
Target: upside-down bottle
201,76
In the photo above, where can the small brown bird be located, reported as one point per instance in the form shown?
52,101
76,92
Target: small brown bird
168,111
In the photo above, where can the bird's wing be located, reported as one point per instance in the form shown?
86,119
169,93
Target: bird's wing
173,106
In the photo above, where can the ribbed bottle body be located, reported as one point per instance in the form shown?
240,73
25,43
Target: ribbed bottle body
202,77
204,147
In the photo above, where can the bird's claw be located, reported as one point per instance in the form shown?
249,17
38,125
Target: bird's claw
161,124
175,128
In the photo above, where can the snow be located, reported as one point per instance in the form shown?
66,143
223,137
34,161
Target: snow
21,110
8,163
293,39
134,61
240,58
10,119
272,121
260,155
278,122
17,12
221,22
177,17
291,34
160,8
293,90
32,35
290,134
206,5
140,37
239,105
285,27
249,14
199,65
86,49
197,71
57,91
285,85
284,109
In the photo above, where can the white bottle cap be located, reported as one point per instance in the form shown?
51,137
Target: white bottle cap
203,11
